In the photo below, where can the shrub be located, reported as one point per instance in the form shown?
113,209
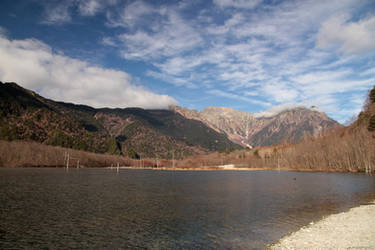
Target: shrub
256,153
132,154
372,95
371,126
112,146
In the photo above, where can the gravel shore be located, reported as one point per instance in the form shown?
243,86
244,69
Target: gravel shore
354,229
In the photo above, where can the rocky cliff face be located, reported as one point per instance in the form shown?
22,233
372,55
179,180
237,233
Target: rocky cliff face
289,126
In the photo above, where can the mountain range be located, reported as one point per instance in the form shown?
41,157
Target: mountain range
247,129
136,132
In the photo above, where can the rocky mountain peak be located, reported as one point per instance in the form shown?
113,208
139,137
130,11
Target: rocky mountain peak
266,128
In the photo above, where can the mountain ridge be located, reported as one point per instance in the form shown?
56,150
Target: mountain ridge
289,125
135,132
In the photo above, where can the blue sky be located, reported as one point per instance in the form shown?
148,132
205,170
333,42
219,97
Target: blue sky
253,55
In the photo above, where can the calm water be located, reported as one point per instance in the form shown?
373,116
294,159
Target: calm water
97,208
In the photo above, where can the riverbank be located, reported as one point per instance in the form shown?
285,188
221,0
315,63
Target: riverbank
215,168
354,229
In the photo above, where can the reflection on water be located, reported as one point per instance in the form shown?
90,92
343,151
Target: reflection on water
97,208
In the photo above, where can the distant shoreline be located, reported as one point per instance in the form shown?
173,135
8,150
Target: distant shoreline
211,168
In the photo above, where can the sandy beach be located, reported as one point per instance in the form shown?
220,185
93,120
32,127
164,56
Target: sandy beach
354,229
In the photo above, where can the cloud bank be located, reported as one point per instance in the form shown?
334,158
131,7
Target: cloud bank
34,65
348,37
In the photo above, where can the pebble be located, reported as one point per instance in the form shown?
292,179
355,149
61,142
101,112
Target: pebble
354,229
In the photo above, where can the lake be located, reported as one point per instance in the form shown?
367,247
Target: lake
99,208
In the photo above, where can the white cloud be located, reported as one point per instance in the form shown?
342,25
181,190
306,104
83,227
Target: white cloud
61,12
280,92
134,12
251,93
3,31
280,108
172,79
246,4
108,41
58,13
89,7
323,83
349,37
333,87
237,97
171,37
369,72
316,77
65,79
178,65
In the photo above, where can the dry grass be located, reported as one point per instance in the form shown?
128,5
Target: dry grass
33,154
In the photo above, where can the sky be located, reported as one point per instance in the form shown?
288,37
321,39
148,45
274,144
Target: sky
257,56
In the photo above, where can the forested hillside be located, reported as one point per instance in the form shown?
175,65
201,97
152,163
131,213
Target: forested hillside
133,132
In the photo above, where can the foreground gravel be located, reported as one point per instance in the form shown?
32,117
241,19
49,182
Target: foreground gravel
354,229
